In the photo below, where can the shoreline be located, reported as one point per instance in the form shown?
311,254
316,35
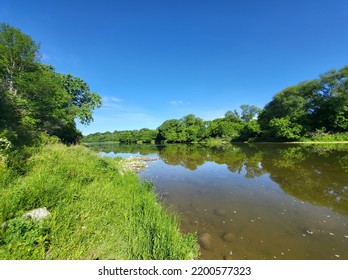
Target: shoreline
316,142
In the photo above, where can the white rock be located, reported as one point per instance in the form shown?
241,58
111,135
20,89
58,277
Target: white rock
37,214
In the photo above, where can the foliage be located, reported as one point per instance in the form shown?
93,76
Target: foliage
302,110
285,130
250,131
98,211
25,239
326,137
34,99
249,112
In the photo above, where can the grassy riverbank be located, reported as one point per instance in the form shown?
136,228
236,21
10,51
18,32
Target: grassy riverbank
98,211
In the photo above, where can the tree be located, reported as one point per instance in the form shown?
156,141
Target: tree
330,105
232,116
83,101
250,131
34,98
249,112
225,128
320,104
194,128
172,131
285,130
18,54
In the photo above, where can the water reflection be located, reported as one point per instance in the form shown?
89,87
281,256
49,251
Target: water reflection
257,201
314,173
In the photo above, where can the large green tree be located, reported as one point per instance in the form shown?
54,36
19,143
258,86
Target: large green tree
172,131
304,109
34,99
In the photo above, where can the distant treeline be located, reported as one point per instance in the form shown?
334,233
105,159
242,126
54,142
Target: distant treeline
311,110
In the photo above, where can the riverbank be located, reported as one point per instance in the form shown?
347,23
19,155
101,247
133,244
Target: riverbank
98,210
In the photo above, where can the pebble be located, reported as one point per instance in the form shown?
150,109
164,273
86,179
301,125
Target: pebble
228,237
205,241
220,212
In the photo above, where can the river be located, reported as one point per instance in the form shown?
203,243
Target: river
254,201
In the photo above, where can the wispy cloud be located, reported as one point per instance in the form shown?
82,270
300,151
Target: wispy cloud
176,102
111,102
115,99
124,115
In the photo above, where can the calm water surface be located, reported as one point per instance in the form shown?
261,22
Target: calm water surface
264,201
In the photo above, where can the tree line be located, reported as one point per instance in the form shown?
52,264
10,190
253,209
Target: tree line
35,100
315,109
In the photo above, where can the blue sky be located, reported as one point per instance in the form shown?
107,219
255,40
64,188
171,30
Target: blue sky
157,60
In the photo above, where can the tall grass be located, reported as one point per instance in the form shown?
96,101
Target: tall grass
336,137
97,212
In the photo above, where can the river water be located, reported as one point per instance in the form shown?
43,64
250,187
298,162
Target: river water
254,201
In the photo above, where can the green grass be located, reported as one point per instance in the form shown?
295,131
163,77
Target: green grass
97,211
336,137
215,142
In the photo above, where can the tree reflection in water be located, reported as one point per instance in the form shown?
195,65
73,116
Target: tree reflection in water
316,173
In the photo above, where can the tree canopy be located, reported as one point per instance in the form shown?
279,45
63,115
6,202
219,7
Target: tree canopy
310,107
34,98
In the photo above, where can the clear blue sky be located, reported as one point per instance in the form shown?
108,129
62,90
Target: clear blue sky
156,60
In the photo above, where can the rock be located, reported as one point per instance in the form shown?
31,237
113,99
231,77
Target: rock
163,195
228,237
136,163
219,212
37,214
205,241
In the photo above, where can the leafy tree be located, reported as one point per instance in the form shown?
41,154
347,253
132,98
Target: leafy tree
172,131
83,100
34,98
320,104
232,116
194,128
225,128
249,112
283,129
330,105
250,131
18,54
